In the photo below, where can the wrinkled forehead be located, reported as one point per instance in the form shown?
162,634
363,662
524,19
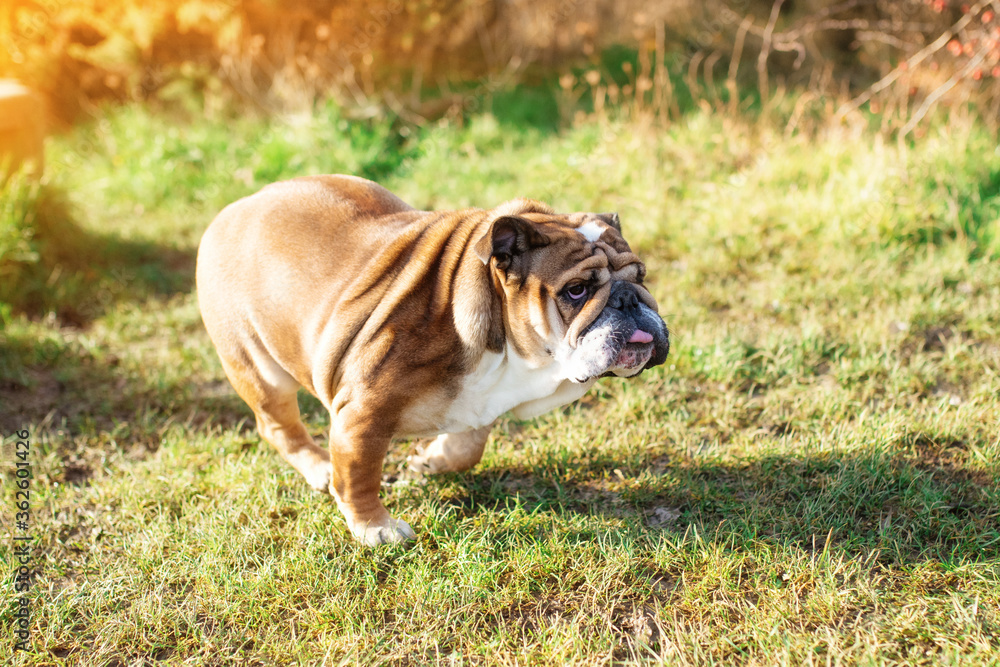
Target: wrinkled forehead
588,248
592,227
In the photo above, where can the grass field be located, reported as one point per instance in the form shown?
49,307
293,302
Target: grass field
810,479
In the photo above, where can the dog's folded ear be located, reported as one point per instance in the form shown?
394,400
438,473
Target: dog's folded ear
611,219
507,237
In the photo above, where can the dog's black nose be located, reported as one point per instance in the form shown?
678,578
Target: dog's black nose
623,298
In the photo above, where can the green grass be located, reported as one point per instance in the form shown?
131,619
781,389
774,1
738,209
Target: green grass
812,478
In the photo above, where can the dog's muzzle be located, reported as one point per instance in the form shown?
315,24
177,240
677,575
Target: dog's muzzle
624,340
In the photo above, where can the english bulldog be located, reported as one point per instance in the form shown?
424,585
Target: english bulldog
408,323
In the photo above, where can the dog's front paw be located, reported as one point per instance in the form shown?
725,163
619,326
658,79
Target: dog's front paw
314,464
389,531
428,459
319,475
449,452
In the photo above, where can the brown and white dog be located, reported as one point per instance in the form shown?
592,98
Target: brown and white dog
413,323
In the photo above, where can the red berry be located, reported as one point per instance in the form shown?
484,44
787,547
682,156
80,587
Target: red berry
988,16
996,72
955,47
977,74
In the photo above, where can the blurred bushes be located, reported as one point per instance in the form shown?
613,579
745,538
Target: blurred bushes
419,58
278,56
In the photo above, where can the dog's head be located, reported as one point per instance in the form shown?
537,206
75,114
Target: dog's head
572,291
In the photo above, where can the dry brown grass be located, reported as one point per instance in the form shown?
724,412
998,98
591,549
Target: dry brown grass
429,58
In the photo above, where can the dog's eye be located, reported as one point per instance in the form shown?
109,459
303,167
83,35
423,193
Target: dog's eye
575,292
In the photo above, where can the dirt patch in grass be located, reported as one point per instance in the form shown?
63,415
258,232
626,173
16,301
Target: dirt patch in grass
26,402
944,454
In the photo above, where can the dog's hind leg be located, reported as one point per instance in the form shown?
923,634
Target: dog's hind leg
271,393
451,452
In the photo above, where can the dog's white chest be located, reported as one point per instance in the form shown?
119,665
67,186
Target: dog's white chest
502,383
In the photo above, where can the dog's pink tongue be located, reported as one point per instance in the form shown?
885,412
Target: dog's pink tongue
640,336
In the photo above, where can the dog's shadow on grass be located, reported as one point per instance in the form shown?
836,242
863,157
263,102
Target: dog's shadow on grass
915,505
